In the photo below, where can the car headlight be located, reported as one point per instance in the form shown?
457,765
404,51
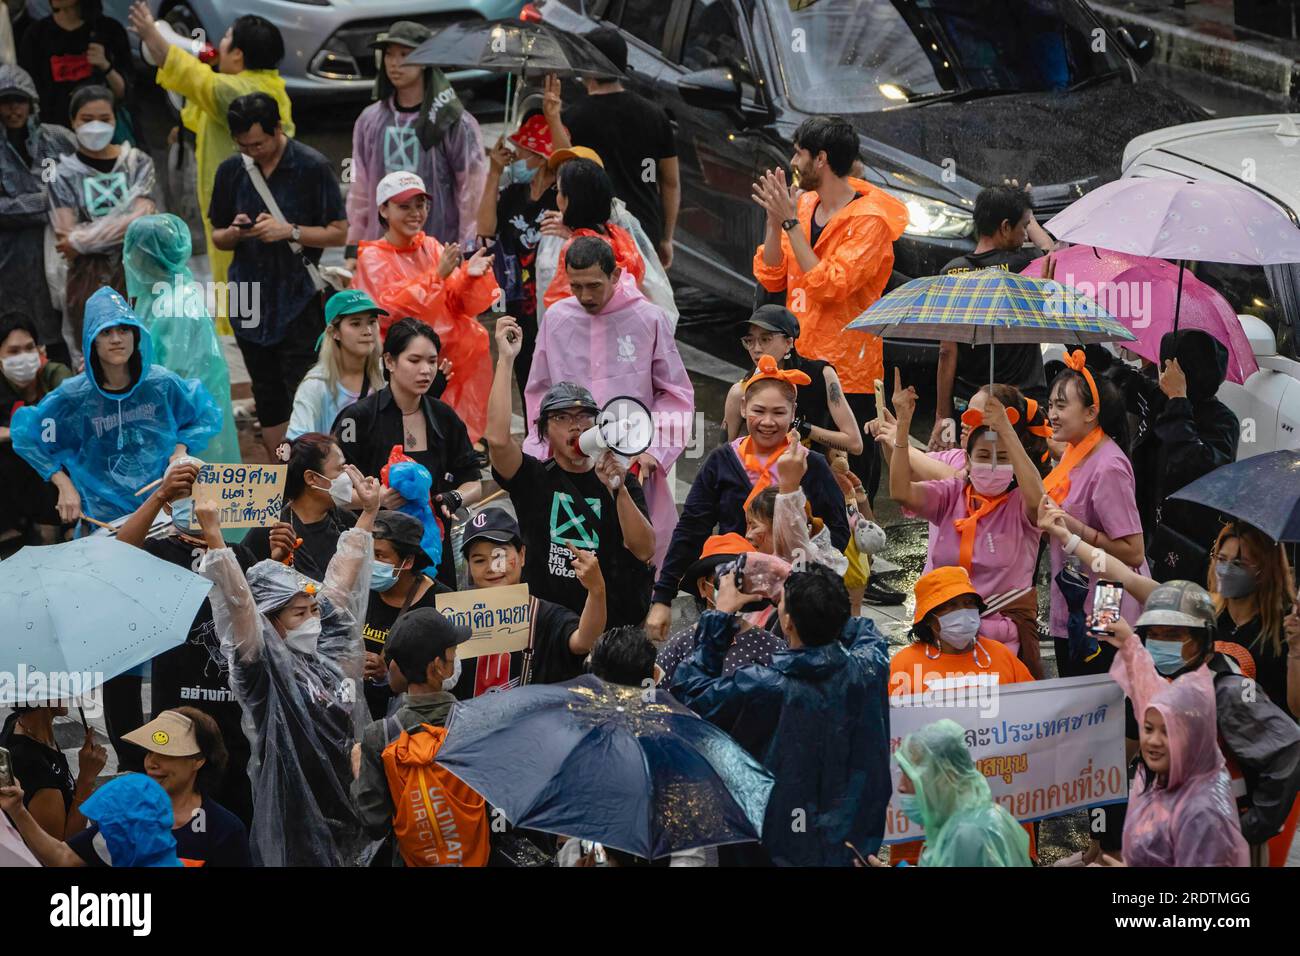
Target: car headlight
931,217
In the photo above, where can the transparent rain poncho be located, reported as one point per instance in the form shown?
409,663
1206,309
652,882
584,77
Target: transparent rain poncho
963,824
112,444
792,540
302,712
1189,818
155,257
103,205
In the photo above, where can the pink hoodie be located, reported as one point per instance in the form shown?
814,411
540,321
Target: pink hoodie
626,349
1190,819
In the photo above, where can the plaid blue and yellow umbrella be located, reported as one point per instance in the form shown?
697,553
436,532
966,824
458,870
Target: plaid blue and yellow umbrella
990,307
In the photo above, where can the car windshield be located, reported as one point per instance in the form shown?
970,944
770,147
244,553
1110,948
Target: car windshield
920,51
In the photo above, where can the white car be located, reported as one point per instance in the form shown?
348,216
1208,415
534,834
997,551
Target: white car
1262,152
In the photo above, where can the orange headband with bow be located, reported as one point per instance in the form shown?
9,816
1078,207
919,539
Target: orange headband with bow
1078,361
767,369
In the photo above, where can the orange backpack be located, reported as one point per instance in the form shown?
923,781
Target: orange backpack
437,819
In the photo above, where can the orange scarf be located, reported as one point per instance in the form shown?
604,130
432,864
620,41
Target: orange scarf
752,465
977,506
1057,483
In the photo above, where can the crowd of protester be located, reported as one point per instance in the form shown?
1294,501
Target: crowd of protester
319,677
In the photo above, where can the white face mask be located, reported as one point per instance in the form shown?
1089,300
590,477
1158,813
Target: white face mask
340,489
990,479
22,368
449,682
960,628
304,637
95,135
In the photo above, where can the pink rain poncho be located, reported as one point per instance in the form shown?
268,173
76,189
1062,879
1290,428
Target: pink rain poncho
625,350
405,282
455,170
1190,819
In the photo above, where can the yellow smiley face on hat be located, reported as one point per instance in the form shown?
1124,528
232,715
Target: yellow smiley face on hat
160,738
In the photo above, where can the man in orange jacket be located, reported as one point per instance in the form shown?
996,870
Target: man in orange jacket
830,249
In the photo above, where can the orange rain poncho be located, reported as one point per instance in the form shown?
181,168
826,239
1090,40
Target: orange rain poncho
405,282
857,257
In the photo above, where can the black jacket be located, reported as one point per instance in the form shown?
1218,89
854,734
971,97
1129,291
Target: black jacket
1180,439
1265,743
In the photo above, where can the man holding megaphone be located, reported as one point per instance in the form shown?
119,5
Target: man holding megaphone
587,502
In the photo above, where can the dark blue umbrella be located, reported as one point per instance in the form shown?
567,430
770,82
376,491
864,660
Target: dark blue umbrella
1263,490
631,769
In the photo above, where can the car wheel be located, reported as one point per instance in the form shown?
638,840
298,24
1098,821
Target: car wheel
184,21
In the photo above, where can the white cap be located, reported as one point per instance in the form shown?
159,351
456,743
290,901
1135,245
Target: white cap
398,187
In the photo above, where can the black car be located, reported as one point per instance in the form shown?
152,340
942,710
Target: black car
949,96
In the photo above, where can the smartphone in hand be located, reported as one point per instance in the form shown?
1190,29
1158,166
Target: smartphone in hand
1106,600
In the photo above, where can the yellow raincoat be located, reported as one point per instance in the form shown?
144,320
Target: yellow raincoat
856,250
208,94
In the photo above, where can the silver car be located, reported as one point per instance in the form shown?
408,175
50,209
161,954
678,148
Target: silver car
325,41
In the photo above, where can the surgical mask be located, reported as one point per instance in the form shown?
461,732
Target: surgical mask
382,576
520,172
1233,580
959,628
910,804
95,135
183,514
991,479
1167,656
22,368
450,682
340,489
305,636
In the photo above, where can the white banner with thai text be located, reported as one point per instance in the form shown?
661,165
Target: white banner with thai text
1046,747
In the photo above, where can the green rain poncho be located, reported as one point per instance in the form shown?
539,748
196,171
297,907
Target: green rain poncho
155,256
963,826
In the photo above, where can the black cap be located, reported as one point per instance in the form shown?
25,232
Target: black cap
490,524
774,318
404,530
423,627
567,395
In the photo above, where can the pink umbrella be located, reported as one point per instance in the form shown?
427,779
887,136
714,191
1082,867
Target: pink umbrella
1143,293
1178,219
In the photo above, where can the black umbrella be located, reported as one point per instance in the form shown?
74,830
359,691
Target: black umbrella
513,46
1263,490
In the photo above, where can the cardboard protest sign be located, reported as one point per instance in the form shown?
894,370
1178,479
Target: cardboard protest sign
249,496
499,617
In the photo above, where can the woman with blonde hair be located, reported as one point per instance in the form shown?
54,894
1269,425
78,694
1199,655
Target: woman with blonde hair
350,366
1253,591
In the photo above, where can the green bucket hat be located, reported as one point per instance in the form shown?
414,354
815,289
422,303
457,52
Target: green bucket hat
345,303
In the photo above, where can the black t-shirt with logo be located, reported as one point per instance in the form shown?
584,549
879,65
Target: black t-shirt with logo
549,520
380,618
1018,365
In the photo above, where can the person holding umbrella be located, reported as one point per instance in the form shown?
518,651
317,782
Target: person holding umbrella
50,793
1183,432
418,125
295,653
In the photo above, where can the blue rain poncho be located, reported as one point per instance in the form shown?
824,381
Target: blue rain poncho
963,824
302,710
155,257
135,818
112,445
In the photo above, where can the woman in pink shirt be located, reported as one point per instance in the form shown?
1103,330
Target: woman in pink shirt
1093,483
986,521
